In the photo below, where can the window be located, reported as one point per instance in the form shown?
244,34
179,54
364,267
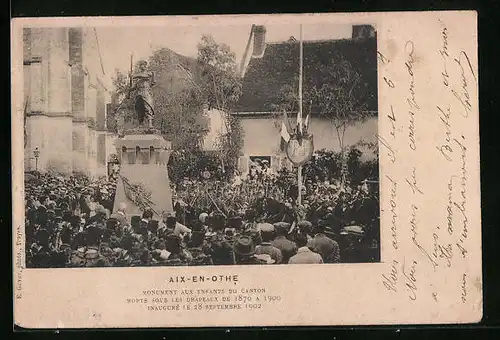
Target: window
260,162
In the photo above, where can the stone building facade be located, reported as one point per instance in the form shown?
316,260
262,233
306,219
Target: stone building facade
66,92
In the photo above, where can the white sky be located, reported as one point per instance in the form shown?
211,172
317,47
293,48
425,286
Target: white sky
117,43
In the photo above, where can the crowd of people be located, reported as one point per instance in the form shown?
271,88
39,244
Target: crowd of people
70,222
273,195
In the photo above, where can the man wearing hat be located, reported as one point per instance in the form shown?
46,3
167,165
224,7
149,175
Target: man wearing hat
340,212
253,173
169,223
302,227
44,201
252,230
159,257
266,247
222,252
147,216
121,215
180,208
99,217
85,203
178,256
353,248
304,254
63,250
325,246
93,257
142,227
42,216
266,169
142,259
288,248
123,257
153,226
203,220
135,224
39,252
199,247
160,254
235,223
244,251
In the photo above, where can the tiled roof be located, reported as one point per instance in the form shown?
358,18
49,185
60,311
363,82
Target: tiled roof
279,66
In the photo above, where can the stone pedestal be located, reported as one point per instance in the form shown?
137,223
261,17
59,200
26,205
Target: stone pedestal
143,181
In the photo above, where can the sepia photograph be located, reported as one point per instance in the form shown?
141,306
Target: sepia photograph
246,170
203,146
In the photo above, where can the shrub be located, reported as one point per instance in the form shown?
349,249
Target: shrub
191,165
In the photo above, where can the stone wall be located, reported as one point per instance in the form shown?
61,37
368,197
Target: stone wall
66,98
262,134
58,72
262,137
52,136
47,81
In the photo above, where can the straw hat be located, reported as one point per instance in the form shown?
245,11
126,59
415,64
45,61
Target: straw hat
244,246
266,258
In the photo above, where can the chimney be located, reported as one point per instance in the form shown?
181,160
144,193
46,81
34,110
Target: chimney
363,32
259,41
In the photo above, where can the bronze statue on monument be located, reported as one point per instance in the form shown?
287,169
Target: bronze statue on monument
143,152
137,103
143,82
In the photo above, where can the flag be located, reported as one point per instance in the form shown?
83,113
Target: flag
285,131
299,122
285,135
306,124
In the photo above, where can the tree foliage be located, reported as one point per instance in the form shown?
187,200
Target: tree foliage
218,74
288,101
178,100
121,105
191,165
326,165
341,99
221,87
183,86
339,94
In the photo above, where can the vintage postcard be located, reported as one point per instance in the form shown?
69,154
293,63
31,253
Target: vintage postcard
246,170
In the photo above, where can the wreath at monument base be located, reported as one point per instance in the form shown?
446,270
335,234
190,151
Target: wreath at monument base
138,194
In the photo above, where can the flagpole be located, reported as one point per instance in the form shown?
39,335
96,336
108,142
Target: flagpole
299,119
301,58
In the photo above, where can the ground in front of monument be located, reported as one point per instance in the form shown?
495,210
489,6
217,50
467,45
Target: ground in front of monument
202,150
